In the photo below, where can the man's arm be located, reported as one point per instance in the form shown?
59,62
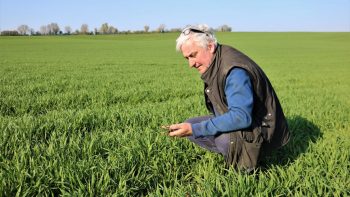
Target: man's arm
239,95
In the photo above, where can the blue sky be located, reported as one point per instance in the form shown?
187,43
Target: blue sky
241,15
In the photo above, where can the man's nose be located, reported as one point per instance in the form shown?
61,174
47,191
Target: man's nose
191,63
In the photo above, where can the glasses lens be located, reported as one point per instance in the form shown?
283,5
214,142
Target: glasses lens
186,32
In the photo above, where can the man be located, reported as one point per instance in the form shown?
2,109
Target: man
247,119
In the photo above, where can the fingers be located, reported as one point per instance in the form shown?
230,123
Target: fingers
178,133
175,127
170,128
178,130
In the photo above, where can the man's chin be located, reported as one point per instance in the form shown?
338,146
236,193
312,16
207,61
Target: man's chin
202,71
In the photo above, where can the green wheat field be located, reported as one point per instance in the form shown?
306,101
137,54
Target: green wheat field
81,116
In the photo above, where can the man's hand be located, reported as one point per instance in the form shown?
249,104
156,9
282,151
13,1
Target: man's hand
180,130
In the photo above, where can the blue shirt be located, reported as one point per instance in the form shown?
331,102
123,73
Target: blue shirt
239,96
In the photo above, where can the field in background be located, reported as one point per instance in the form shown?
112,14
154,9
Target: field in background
81,115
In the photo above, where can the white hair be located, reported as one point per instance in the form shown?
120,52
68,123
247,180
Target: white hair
202,38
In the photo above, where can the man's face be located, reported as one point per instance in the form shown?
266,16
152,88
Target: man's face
198,57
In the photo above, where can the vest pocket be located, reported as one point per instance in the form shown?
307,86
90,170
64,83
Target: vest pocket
245,147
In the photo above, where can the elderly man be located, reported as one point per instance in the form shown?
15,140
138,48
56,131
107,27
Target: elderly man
246,118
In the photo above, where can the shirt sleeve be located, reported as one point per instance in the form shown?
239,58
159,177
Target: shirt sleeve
239,96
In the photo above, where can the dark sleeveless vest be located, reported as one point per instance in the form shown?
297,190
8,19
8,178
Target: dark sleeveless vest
268,119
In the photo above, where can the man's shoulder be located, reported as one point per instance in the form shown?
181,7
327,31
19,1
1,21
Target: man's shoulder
227,49
231,58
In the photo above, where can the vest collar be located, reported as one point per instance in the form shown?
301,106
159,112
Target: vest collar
212,71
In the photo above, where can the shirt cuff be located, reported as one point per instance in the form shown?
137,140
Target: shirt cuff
197,129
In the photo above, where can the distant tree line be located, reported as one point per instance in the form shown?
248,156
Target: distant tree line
54,29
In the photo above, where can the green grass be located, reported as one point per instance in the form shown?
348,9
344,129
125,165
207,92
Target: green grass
80,115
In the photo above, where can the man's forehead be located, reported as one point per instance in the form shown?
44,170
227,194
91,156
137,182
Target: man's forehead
188,48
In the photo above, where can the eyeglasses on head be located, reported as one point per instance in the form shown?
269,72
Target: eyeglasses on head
187,31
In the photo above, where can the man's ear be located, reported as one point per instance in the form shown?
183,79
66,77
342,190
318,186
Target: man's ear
211,47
